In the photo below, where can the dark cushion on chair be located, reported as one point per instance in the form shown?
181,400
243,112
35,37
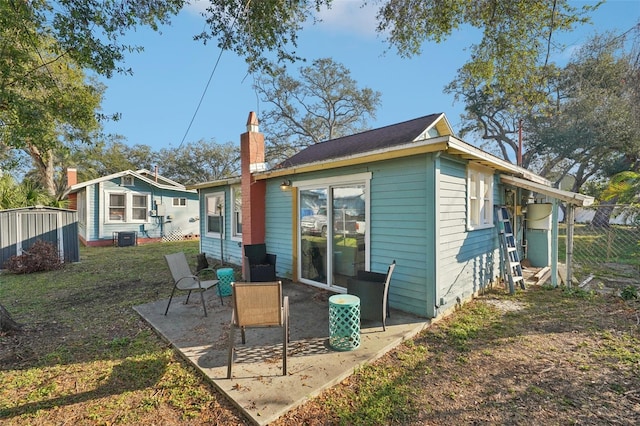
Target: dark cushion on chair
371,276
261,265
257,254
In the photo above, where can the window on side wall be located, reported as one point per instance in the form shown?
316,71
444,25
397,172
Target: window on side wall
215,214
82,208
179,202
236,196
479,197
126,207
117,207
139,208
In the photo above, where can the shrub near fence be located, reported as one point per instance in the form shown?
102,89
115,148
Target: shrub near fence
608,249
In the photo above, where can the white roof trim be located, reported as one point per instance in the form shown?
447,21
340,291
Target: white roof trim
176,187
567,196
470,152
215,183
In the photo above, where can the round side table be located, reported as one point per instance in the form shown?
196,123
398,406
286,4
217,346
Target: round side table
344,322
225,278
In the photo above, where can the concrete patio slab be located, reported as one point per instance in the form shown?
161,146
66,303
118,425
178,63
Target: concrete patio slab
257,386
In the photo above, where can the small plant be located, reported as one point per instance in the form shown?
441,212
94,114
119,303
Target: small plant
630,292
42,256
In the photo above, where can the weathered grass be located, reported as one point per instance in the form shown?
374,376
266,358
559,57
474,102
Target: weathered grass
86,357
542,356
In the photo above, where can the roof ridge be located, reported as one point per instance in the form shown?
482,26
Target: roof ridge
383,127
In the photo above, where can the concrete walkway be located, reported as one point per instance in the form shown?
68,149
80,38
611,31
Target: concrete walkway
257,386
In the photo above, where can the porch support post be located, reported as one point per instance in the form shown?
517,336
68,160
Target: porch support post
570,220
554,242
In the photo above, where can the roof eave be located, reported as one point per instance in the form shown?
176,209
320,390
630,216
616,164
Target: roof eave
574,198
471,153
215,183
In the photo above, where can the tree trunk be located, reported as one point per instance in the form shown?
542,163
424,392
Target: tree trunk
603,213
43,161
7,323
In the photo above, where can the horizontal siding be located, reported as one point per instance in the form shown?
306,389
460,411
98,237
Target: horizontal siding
279,234
230,250
399,229
467,259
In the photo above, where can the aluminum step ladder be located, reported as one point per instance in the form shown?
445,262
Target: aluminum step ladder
511,259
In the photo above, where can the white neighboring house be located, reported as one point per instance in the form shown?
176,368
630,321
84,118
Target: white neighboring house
132,207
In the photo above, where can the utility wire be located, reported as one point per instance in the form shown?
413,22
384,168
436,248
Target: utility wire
204,92
201,98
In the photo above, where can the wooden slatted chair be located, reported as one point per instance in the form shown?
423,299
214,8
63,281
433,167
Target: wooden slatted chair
184,279
259,305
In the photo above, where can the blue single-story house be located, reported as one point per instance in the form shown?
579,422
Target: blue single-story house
132,207
410,192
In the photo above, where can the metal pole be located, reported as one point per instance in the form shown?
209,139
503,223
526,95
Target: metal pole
570,219
221,224
554,242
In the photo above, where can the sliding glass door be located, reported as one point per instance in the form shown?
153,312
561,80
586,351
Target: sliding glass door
333,232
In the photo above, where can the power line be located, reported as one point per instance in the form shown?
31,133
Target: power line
204,92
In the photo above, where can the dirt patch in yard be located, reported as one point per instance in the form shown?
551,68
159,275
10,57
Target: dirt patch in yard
541,356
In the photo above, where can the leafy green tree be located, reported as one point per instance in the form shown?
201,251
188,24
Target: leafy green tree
27,193
592,129
46,100
625,187
323,103
515,44
199,161
45,46
110,156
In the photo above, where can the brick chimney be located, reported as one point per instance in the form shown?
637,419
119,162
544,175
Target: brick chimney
253,192
72,179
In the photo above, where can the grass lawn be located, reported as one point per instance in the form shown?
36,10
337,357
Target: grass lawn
542,356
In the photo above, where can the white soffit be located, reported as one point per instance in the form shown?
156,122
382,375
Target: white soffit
567,196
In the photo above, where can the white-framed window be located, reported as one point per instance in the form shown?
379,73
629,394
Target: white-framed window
81,206
127,181
126,207
236,220
179,202
479,197
139,207
215,214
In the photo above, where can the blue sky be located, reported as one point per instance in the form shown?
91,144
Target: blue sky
159,100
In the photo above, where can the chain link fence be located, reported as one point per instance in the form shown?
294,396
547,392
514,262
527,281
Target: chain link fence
606,245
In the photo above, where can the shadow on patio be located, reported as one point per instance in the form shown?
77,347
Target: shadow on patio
257,386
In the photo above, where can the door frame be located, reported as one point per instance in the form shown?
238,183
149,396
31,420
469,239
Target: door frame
329,183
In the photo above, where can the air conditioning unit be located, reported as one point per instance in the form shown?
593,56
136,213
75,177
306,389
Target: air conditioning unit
127,239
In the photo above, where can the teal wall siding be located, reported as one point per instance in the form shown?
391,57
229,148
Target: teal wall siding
183,218
400,226
230,250
400,230
279,234
93,216
417,217
467,259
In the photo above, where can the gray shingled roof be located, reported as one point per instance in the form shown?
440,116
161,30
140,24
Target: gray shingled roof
371,140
